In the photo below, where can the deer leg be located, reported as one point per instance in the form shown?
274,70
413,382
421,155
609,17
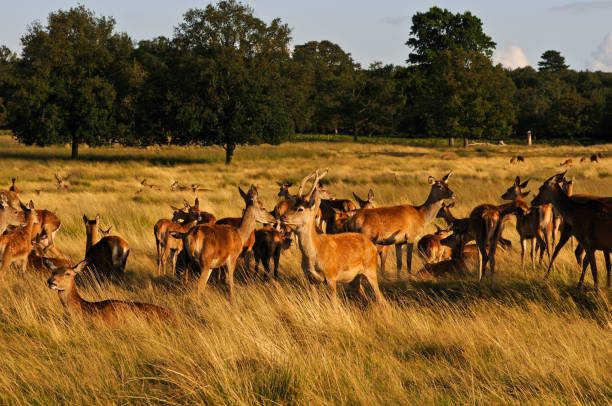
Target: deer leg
585,264
266,263
175,254
333,291
231,264
383,259
256,269
566,233
593,262
370,275
204,275
398,257
608,267
409,248
276,259
578,254
523,249
164,259
533,253
159,258
483,258
357,286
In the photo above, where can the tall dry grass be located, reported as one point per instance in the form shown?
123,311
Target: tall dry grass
441,342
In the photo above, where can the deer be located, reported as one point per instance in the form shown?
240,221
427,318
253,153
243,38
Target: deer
430,248
190,212
331,258
365,204
106,256
402,224
15,246
590,220
289,200
175,186
8,215
247,247
513,160
62,182
14,188
269,243
171,247
341,217
455,265
36,263
214,245
567,162
44,231
534,224
594,158
144,183
108,311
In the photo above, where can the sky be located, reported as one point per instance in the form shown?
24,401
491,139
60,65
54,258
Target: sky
371,30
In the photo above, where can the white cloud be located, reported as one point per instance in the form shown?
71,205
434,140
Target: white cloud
512,57
602,57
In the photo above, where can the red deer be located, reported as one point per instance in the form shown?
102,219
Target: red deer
106,256
213,245
16,245
170,246
36,263
269,242
594,158
430,248
402,224
8,215
455,265
331,258
108,311
14,188
62,182
590,221
567,162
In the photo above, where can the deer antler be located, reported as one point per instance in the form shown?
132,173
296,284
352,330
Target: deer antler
316,182
303,182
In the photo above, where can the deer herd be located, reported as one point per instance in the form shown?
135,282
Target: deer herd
340,241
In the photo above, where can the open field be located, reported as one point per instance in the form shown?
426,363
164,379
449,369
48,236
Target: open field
438,342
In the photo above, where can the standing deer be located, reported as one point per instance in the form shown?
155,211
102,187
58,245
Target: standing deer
44,231
401,224
213,245
8,215
16,245
14,188
335,258
106,256
590,221
108,311
533,224
269,242
170,246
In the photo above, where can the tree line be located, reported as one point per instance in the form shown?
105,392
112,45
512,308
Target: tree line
228,78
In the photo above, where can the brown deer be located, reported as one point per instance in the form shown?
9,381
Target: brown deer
106,256
331,258
62,182
170,247
8,215
213,245
403,223
14,188
534,224
594,158
513,160
36,263
16,245
175,186
247,247
289,200
11,198
190,213
365,204
455,265
269,243
567,162
107,311
590,221
430,248
44,231
144,183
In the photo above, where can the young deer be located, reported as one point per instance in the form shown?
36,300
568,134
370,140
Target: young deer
533,224
269,242
8,215
17,245
44,231
36,263
402,224
170,246
108,311
455,265
431,249
213,245
335,258
106,256
590,220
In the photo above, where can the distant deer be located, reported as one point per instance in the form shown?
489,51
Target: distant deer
513,160
213,246
106,256
584,159
14,188
567,162
108,311
62,182
176,187
195,188
601,155
403,223
269,242
594,158
150,186
15,246
430,248
590,220
333,259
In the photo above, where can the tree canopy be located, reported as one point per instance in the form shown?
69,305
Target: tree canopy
552,61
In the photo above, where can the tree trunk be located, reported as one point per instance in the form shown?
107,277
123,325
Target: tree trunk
75,148
465,142
229,153
355,135
529,138
451,142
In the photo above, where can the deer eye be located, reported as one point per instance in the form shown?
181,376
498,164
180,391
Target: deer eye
300,209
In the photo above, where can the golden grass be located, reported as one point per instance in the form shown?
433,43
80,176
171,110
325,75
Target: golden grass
442,342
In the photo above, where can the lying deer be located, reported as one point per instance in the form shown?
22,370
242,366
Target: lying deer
15,246
430,248
331,258
403,223
269,242
108,311
106,256
62,182
36,263
455,266
213,245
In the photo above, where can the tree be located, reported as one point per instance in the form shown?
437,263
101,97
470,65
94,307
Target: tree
552,61
69,74
439,30
233,90
7,80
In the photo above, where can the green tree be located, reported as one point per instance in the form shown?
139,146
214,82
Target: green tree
439,30
233,88
7,80
69,74
552,61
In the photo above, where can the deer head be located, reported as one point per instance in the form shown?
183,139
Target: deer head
515,191
254,205
549,189
62,278
304,214
440,189
365,204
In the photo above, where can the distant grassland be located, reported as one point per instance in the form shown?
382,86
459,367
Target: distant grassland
440,342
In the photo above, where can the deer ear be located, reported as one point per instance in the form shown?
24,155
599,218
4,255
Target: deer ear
85,219
438,229
517,181
197,202
277,227
526,193
370,194
452,204
50,264
431,180
80,266
31,205
447,176
524,184
97,218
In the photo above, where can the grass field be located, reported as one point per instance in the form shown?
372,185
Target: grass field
438,342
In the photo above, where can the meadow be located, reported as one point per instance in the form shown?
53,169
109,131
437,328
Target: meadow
437,342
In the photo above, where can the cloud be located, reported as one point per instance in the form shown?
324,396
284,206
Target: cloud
396,20
583,6
602,57
512,57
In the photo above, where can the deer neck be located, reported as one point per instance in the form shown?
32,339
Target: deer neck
430,208
508,208
92,238
71,299
306,239
564,204
29,225
247,224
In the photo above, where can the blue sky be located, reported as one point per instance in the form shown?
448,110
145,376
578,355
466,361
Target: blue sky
373,30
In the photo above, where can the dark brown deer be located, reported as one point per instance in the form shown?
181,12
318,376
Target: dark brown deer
269,243
106,256
430,247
